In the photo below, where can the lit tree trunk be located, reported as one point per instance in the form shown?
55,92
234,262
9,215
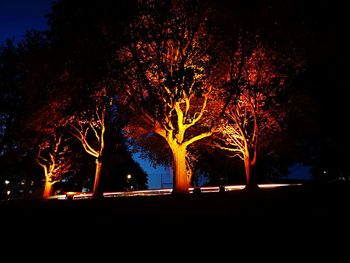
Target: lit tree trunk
181,181
247,171
254,148
96,190
48,189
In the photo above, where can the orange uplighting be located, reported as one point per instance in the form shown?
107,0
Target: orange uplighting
81,129
50,159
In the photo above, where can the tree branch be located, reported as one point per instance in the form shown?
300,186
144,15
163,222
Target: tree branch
204,105
197,138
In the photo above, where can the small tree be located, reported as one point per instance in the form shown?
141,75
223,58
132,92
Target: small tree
90,129
52,157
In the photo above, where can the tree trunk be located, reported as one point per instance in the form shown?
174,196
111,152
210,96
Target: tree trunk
247,171
48,189
96,191
249,175
181,182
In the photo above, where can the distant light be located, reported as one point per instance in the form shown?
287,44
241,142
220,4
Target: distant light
7,182
128,176
324,171
71,193
277,185
8,192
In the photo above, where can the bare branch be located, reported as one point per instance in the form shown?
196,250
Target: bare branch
197,138
57,144
199,116
95,131
82,138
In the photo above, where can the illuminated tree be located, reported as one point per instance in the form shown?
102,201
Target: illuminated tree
52,157
253,116
169,80
90,129
44,125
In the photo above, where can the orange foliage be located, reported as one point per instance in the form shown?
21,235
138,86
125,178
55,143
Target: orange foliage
51,157
169,81
252,113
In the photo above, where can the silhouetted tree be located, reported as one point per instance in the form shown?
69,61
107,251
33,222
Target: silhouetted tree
9,93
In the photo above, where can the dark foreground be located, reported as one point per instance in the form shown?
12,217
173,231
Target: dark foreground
283,203
303,213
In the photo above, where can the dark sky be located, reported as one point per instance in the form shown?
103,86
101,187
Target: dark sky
17,16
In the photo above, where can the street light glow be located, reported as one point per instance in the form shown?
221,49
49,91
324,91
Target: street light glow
7,182
128,176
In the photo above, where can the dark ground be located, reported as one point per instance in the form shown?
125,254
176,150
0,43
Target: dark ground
283,203
299,216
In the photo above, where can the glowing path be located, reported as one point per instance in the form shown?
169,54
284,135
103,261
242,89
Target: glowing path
164,191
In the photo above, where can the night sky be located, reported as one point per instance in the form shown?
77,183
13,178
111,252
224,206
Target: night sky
18,16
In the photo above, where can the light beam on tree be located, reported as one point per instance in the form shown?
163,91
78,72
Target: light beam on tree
90,131
169,81
55,165
252,113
